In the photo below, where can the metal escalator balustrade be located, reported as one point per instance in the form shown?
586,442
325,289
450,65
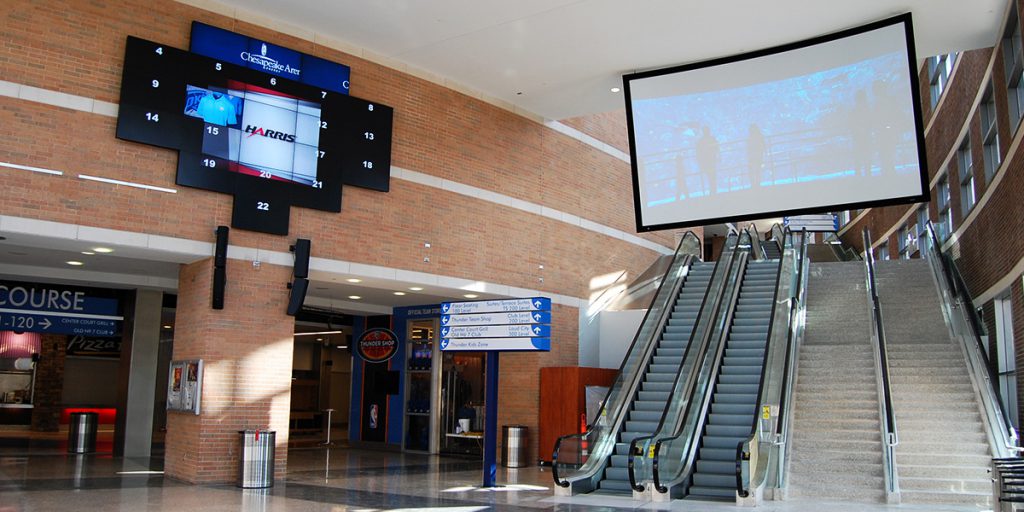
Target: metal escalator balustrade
580,459
760,459
672,457
734,400
655,390
700,328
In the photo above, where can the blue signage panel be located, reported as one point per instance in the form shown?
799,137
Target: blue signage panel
496,306
35,307
269,58
496,331
521,317
496,344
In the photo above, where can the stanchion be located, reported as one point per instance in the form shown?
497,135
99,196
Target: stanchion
328,441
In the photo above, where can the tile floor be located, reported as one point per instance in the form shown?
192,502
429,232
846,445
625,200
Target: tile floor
40,477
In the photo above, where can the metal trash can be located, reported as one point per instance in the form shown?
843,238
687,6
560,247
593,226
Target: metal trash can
82,432
256,458
514,442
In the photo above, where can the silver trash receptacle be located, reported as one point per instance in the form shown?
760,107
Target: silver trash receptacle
256,459
514,442
82,432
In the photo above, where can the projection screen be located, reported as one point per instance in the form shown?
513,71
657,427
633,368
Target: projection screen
827,124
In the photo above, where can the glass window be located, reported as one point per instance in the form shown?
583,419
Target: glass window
883,251
990,133
964,162
922,227
944,227
903,238
939,69
1013,62
844,218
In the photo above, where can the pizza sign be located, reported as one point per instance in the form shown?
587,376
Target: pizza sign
377,345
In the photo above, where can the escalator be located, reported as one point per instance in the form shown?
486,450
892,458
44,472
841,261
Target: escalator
596,460
734,399
645,410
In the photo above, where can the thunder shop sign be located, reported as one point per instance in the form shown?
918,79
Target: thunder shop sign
377,345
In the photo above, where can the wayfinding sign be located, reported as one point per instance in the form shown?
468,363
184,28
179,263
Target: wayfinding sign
497,325
46,308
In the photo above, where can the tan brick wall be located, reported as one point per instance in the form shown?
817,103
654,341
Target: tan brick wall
246,350
609,127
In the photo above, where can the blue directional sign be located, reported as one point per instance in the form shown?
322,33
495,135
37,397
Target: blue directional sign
496,344
496,306
33,307
496,331
522,317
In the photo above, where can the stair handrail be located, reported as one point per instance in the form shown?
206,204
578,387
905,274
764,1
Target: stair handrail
792,350
760,454
889,431
841,250
685,440
638,356
958,308
641,473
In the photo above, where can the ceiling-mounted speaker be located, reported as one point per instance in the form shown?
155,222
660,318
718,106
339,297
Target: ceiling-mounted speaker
301,250
297,296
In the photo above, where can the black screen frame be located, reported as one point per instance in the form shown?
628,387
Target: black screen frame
923,197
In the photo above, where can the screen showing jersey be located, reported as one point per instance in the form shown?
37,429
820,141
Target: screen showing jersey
260,132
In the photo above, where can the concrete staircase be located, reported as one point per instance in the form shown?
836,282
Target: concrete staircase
836,451
943,455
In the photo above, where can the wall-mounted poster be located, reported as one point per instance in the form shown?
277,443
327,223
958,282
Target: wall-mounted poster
185,386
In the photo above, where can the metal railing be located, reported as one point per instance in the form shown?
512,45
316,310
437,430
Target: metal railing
640,468
756,249
889,432
762,454
962,318
579,459
674,456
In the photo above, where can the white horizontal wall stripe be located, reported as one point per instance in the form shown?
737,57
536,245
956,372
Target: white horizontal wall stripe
11,89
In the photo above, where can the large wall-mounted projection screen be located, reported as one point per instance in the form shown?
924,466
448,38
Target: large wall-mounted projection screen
826,124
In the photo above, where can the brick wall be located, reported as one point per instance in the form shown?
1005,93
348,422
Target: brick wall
49,386
246,350
609,127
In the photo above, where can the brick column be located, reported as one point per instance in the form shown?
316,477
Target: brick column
49,388
246,350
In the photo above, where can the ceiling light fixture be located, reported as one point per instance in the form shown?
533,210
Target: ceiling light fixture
103,250
354,297
399,293
416,288
341,346
354,280
470,295
167,327
75,263
88,253
316,333
616,89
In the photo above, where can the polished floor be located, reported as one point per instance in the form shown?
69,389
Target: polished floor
36,475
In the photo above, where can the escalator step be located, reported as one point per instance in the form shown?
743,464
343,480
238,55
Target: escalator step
726,447
726,430
742,409
731,378
738,420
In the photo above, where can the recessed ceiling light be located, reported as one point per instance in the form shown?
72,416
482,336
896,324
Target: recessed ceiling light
354,297
416,288
616,89
354,280
75,263
319,339
167,327
341,346
470,295
88,253
103,250
399,293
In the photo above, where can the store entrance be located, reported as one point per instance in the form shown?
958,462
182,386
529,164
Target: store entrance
462,402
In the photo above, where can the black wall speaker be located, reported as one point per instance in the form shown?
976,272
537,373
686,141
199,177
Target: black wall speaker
301,250
220,264
220,253
220,278
297,296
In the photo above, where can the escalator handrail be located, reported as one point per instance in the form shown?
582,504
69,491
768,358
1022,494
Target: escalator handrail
633,345
890,431
761,398
755,241
961,294
801,298
727,318
690,345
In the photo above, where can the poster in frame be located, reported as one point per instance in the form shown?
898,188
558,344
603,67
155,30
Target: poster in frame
184,386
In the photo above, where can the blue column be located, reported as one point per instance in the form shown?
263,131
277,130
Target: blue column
491,421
